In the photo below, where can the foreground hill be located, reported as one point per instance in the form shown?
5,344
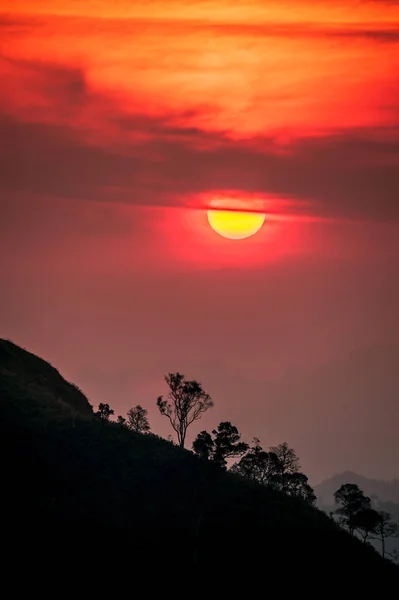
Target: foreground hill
24,373
78,487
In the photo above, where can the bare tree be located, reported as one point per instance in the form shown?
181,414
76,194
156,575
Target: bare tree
185,404
137,419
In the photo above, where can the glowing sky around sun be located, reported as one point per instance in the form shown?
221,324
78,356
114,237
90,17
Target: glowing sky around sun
273,89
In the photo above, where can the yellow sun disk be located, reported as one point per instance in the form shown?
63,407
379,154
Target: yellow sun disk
235,225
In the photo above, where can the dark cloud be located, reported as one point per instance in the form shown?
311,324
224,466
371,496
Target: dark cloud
50,160
16,24
62,86
351,175
302,30
145,160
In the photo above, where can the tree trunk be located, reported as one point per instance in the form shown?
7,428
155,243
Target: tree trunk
182,438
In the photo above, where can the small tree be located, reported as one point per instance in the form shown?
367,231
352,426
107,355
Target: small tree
288,463
104,412
137,419
225,444
185,404
204,445
121,421
385,528
365,522
350,501
297,484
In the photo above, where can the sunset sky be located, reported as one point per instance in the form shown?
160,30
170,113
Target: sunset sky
121,122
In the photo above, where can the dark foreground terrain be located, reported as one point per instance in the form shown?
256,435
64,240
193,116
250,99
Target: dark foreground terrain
79,493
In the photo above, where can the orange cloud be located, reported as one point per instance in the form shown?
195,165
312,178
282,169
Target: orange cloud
128,102
252,69
292,11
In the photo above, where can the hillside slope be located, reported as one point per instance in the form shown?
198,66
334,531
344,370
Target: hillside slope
25,373
85,487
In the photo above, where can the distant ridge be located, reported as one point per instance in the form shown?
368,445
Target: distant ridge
387,491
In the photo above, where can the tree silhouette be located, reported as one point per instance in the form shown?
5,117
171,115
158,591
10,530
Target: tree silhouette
104,412
225,444
279,473
137,419
288,463
385,528
185,404
356,513
204,445
296,484
121,420
365,522
258,465
350,501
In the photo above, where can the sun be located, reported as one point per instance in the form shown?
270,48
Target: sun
233,222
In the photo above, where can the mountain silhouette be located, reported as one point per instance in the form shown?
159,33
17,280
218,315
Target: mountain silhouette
386,491
84,491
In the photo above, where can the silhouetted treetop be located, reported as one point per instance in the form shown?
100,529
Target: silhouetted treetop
350,500
203,445
356,514
287,460
226,443
185,403
276,469
258,465
365,521
385,528
104,411
137,419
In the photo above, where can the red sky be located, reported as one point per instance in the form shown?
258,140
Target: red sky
121,121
